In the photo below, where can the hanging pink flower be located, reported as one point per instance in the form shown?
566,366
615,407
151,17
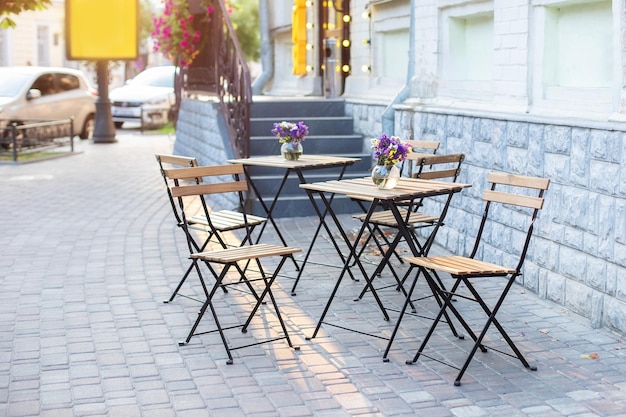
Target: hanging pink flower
174,33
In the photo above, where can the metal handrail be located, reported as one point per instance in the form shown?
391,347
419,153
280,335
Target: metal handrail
222,70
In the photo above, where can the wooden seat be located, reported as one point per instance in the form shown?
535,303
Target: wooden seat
222,259
460,266
212,227
514,194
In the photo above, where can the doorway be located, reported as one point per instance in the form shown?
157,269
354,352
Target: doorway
334,38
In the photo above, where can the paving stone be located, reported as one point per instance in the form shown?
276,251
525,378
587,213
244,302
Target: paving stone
83,331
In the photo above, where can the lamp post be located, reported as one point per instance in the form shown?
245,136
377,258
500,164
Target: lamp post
104,130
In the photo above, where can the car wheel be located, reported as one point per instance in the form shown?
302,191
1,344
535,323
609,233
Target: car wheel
118,125
88,127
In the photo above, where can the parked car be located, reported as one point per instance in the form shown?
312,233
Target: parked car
46,93
147,99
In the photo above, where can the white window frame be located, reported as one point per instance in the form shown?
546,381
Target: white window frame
450,84
390,19
550,97
43,45
4,47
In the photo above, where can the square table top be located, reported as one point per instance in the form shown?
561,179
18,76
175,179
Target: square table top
407,188
305,162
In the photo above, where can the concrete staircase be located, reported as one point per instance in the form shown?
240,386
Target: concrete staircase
330,133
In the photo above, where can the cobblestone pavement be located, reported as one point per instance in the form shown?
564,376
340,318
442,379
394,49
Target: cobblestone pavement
89,250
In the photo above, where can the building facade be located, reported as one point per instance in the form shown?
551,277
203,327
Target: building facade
531,87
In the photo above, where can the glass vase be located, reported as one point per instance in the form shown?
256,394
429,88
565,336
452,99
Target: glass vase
385,176
291,151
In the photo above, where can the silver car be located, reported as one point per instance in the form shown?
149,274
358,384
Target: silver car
46,93
147,99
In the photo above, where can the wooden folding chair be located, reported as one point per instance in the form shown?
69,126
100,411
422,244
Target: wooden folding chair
513,192
222,260
219,222
419,149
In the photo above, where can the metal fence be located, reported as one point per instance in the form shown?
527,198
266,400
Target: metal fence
27,136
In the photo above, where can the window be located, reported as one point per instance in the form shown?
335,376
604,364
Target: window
4,47
395,56
575,56
67,82
467,46
45,84
471,50
390,30
43,40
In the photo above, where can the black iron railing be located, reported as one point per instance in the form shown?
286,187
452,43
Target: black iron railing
221,70
27,136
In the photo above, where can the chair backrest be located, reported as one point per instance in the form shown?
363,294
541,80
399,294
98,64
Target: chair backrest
419,148
516,191
173,161
188,182
438,167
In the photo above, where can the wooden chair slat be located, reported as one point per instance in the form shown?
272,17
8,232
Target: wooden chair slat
459,266
514,199
201,189
386,218
423,144
519,180
177,160
438,174
245,253
443,158
204,171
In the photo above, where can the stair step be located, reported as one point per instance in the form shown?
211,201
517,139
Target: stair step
313,145
300,206
360,168
268,184
332,125
295,108
331,133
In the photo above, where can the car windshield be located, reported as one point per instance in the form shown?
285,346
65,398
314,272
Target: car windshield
155,78
12,83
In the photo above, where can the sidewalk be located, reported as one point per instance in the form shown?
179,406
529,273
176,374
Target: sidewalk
89,250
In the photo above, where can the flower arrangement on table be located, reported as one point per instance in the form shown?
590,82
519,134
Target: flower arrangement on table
291,135
388,152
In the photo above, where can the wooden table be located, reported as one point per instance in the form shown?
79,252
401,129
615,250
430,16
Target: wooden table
408,189
299,167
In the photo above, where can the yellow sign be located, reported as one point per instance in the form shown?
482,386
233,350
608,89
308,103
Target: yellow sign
101,29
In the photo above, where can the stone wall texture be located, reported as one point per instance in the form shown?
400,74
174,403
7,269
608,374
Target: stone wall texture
577,257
